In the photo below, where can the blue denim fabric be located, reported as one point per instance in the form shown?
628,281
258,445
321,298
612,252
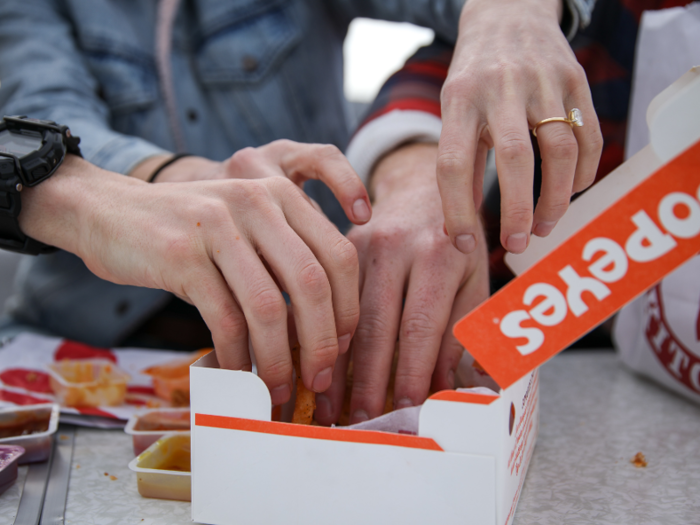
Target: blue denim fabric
246,72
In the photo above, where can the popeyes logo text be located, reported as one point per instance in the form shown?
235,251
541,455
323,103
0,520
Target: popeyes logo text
611,262
614,258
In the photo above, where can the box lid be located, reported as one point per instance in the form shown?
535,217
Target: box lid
621,237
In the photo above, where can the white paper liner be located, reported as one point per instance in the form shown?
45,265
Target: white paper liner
405,420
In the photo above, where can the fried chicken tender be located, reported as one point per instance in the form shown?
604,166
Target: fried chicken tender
306,399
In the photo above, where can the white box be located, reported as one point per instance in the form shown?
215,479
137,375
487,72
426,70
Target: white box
466,465
469,459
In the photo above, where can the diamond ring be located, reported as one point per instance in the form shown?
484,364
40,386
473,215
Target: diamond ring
575,119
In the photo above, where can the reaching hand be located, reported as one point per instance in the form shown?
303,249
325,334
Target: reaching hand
230,247
414,285
512,68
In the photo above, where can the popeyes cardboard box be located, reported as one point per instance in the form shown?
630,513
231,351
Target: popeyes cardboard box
467,461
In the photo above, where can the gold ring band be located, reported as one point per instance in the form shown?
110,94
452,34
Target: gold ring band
575,119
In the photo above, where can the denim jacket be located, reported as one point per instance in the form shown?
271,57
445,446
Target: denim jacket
245,72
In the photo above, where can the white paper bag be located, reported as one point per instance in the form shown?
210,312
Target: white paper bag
658,334
668,45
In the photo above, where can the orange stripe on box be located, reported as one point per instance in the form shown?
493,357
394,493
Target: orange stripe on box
464,397
369,437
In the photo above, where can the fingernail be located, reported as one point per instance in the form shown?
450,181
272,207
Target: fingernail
465,243
542,229
516,243
323,407
361,210
343,343
451,379
280,395
323,380
358,417
404,402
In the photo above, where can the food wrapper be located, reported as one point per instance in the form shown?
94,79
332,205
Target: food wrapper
25,379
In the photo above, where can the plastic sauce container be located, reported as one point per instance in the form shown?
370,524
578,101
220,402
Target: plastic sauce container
9,456
88,382
31,427
171,381
163,471
149,426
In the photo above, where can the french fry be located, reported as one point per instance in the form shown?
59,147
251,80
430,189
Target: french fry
306,399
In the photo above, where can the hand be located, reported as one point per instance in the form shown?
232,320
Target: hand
404,253
512,68
229,247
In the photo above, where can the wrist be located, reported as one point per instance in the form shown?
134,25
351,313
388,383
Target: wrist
187,169
64,209
552,8
183,169
405,168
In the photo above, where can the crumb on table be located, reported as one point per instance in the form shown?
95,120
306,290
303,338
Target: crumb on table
639,460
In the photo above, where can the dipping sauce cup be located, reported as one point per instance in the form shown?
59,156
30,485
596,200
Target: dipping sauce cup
88,382
9,459
149,426
31,427
163,471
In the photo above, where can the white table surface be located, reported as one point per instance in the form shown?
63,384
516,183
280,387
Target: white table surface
595,416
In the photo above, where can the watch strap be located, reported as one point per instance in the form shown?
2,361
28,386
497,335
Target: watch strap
12,183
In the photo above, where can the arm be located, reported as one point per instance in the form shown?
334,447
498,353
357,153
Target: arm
404,253
511,69
230,247
414,286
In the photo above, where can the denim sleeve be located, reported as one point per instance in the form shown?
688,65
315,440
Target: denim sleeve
43,75
443,15
580,16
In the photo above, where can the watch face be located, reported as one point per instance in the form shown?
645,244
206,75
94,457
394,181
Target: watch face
18,145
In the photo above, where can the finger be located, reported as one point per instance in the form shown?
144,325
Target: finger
338,257
431,291
212,297
559,151
515,164
330,403
375,337
482,151
472,294
325,162
305,280
455,174
589,138
264,308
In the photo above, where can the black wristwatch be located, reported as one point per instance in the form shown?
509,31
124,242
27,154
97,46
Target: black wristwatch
30,152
